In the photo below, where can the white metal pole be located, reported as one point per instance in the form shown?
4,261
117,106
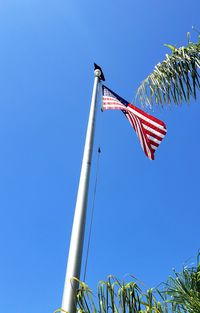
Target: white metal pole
77,236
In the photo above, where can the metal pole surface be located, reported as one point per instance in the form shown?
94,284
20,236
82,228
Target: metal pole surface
78,229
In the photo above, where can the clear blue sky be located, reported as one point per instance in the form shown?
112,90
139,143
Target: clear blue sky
147,212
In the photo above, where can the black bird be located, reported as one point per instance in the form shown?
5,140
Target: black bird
97,67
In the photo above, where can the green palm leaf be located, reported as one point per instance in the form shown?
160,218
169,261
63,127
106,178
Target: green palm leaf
182,289
176,79
115,296
180,294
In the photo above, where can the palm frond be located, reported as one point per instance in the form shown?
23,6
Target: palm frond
180,294
115,296
176,79
182,289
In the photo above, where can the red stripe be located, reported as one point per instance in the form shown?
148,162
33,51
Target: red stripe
145,140
153,135
148,143
153,143
144,114
162,131
131,121
142,138
147,115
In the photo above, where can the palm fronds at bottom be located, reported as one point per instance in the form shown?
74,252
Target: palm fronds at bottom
115,296
180,294
182,290
176,79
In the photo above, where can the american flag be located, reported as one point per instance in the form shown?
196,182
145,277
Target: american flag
150,130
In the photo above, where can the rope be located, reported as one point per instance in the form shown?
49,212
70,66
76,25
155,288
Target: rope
92,216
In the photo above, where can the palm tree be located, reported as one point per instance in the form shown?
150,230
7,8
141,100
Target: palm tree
180,294
115,296
182,290
176,79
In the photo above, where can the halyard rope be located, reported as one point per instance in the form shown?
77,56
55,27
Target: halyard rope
92,215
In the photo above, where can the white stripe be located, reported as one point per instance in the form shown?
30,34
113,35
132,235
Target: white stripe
146,118
112,106
154,147
111,102
140,134
111,99
136,113
131,121
154,139
153,131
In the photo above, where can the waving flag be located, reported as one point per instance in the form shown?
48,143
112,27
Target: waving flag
150,130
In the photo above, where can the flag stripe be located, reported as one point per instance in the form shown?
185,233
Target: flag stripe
155,140
109,103
153,143
156,120
115,104
146,119
140,134
154,147
153,135
162,131
153,131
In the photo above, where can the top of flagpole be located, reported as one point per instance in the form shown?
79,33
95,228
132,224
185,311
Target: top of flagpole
98,72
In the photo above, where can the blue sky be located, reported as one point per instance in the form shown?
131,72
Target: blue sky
146,218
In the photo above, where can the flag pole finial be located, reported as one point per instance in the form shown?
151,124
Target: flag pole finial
98,72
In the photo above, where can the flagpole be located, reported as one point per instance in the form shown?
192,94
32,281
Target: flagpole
77,236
